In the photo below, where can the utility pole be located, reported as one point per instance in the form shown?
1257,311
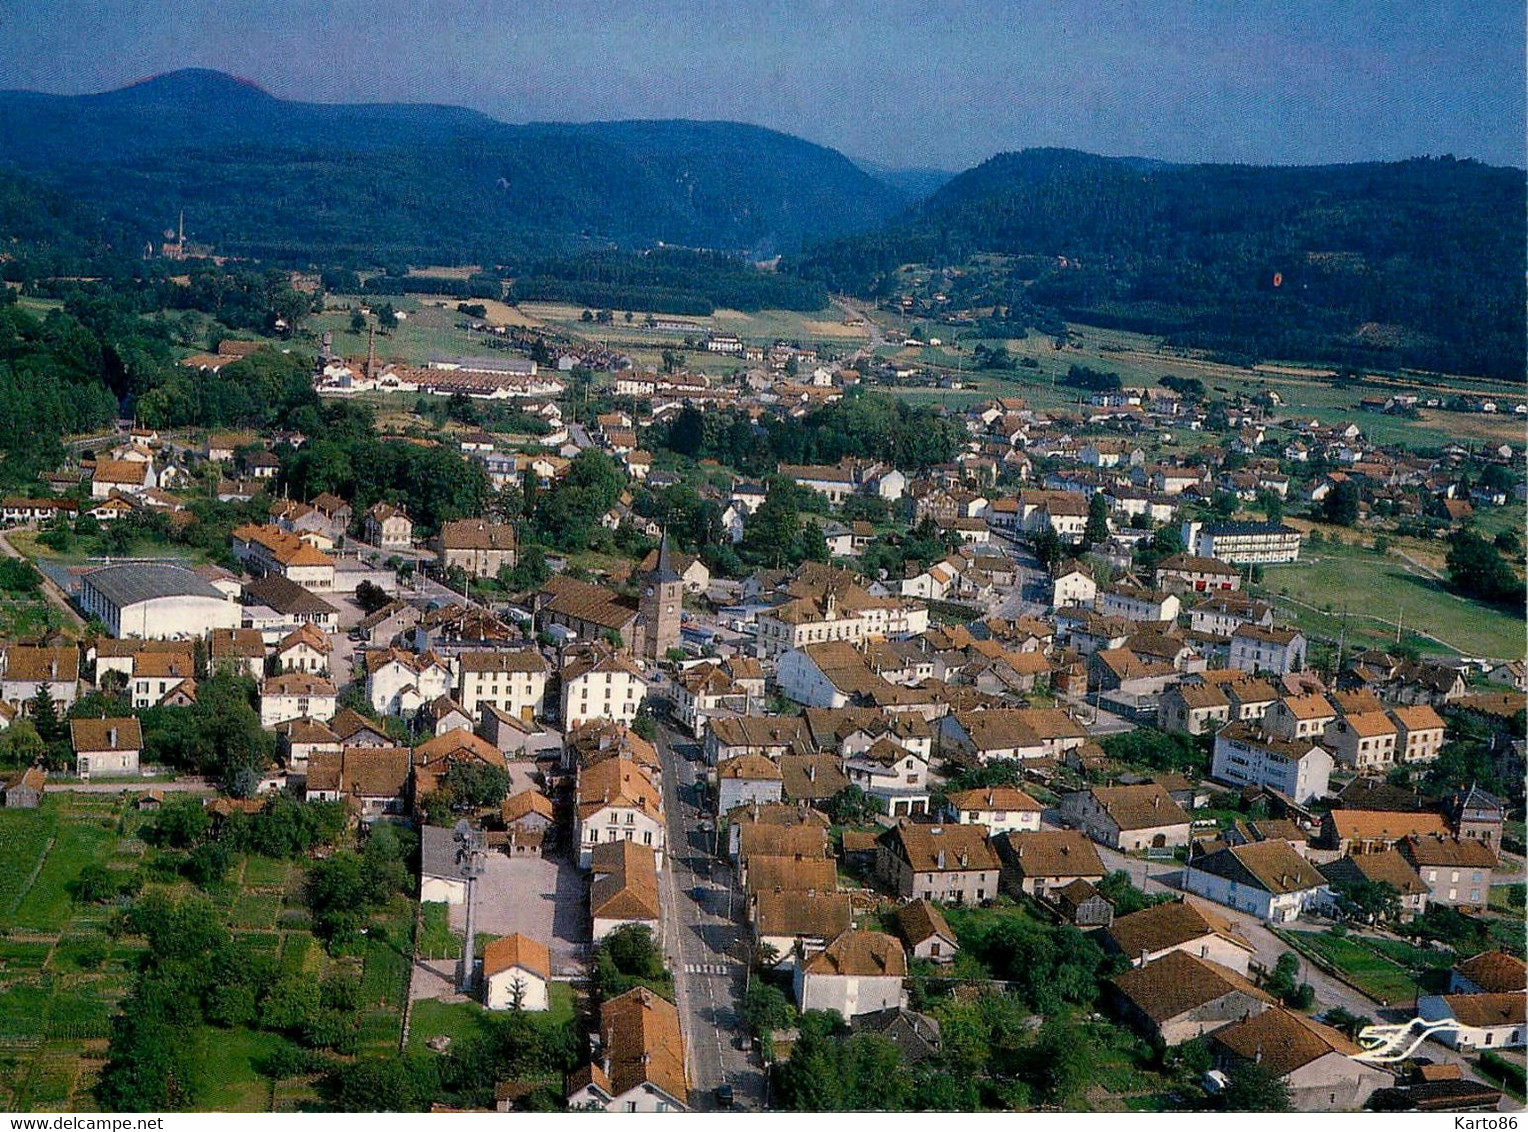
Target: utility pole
469,855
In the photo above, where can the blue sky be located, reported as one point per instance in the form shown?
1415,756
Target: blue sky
945,83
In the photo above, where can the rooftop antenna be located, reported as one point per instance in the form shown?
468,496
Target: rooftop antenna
469,855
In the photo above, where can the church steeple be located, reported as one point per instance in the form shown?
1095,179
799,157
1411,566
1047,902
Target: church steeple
660,605
665,571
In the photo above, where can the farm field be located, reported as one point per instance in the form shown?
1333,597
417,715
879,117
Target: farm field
1141,360
428,332
1378,590
62,973
1378,977
822,328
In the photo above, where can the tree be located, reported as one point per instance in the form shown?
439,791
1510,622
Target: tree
382,1084
629,957
1254,1087
1272,505
357,322
371,597
1477,569
1117,888
96,884
1347,1022
338,894
1367,901
1097,529
851,806
1340,506
475,784
766,1009
1047,547
387,317
1064,1058
50,728
20,745
180,824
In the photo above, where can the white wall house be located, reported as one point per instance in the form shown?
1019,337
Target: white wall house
517,972
1245,755
857,973
1266,878
513,682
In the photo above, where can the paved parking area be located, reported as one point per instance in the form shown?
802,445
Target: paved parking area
544,898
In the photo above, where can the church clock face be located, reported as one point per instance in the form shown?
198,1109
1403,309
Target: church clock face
649,591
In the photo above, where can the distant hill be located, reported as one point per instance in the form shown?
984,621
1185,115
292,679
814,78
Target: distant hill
1415,263
258,175
915,184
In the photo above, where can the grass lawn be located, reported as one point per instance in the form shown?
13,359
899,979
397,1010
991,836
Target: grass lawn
436,939
263,872
463,1020
428,331
458,1020
24,839
255,910
226,1077
1121,1061
1376,976
47,904
1508,898
1507,933
1409,955
1377,591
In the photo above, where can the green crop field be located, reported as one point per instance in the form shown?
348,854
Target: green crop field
427,332
62,975
1378,977
1378,590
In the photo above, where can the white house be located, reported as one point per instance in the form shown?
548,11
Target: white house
513,682
155,602
1246,755
617,801
1266,878
400,683
601,684
296,695
1485,1021
642,1062
517,971
1255,649
106,746
859,972
1128,818
745,779
1073,585
1000,808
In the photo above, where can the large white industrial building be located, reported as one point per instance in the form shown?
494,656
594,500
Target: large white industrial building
155,602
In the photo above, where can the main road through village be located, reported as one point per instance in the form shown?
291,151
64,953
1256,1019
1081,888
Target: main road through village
705,940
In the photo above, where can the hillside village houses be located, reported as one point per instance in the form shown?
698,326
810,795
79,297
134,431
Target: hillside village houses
943,696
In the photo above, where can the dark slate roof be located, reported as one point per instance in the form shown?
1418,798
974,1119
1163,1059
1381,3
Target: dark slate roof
134,582
286,596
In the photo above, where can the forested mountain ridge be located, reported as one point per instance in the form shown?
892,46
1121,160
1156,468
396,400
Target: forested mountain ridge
1417,263
261,176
